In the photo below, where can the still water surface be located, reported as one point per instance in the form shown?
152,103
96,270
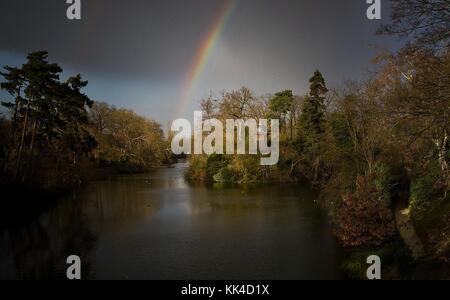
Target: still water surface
156,226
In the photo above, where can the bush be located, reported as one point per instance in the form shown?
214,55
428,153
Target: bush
214,164
364,219
197,168
225,175
247,169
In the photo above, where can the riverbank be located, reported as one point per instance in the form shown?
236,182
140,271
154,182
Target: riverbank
21,202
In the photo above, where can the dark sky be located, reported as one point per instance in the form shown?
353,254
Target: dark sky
137,53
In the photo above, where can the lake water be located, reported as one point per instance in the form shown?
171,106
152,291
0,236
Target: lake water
157,226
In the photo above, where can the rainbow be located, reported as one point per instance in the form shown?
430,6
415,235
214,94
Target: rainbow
202,56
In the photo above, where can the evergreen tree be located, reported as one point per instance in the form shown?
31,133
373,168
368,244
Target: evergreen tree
48,116
313,112
14,85
312,123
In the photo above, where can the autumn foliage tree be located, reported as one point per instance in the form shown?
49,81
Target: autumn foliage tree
364,219
426,23
127,140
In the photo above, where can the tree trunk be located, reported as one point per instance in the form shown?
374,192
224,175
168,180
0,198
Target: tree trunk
13,134
29,164
441,144
22,141
292,127
443,147
14,119
58,161
316,169
293,166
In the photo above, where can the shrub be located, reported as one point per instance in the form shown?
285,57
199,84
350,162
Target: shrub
364,219
214,164
247,169
197,168
225,175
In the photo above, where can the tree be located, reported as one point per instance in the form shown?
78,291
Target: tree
312,120
71,119
14,85
209,107
281,106
235,104
416,87
3,141
130,141
417,77
426,22
313,112
39,77
50,114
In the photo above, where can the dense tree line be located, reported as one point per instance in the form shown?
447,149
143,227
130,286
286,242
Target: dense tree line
126,140
54,135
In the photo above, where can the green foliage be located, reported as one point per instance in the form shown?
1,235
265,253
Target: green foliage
383,181
423,194
281,103
338,128
214,165
312,125
247,169
225,175
242,169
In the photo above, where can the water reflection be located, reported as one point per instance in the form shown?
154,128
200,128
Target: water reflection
38,250
155,226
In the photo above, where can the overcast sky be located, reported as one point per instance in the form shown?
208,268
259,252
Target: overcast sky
137,53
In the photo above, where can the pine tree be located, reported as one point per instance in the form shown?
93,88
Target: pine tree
313,113
312,123
48,116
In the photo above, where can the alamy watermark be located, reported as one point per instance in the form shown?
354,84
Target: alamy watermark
374,270
258,137
74,269
74,10
374,10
